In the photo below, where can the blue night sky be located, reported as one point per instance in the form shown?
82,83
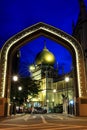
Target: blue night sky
16,15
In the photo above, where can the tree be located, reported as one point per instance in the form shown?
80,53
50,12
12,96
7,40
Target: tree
29,87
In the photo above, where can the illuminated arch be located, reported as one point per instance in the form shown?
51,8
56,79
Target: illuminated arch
53,33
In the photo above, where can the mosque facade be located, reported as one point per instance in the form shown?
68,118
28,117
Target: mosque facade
56,95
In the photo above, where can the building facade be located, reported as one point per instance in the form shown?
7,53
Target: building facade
55,90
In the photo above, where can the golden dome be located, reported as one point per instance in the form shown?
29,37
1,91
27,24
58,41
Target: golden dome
45,57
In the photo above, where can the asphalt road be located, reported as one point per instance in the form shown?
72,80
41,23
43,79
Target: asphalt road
43,122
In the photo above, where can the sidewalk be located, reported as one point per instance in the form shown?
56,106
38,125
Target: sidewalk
76,117
11,116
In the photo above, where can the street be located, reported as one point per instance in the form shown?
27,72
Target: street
43,122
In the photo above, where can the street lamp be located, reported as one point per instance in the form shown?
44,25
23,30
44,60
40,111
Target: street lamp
14,97
15,78
67,80
19,88
54,91
47,106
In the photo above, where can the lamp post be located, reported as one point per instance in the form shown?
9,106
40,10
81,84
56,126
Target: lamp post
54,91
15,79
67,80
67,96
47,106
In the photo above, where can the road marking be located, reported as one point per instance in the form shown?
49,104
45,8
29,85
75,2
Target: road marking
34,116
43,119
26,117
55,117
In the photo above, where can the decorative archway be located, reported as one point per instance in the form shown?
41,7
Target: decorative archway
31,33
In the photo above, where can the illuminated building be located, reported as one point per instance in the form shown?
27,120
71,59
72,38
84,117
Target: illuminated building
53,87
44,72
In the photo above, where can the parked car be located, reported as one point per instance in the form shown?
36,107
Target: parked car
39,110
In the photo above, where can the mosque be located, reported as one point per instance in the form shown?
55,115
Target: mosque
55,90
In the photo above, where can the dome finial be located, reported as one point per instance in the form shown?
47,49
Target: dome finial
45,44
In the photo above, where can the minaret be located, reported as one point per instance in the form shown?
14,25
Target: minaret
80,30
83,12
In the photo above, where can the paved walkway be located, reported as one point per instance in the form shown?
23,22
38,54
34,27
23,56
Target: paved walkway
63,115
